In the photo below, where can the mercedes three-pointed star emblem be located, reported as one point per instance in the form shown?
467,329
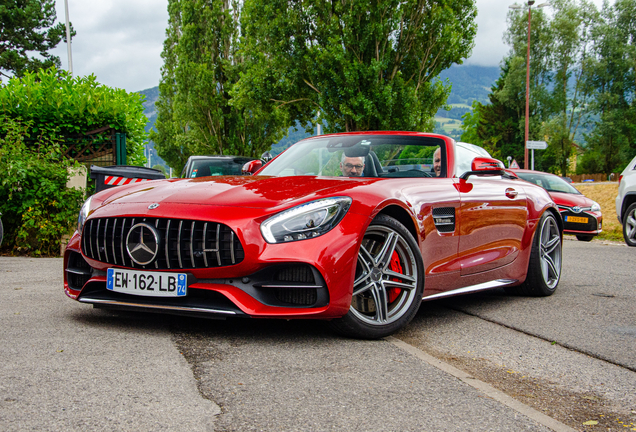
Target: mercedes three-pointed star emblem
142,243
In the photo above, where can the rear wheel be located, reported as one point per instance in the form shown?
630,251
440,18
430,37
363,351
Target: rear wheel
584,238
629,226
388,285
544,269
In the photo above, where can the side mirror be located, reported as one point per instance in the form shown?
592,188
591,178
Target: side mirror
484,166
251,167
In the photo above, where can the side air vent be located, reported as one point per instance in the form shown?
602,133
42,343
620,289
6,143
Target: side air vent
297,273
444,218
296,296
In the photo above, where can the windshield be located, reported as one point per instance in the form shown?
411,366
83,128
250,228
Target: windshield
549,182
362,156
215,167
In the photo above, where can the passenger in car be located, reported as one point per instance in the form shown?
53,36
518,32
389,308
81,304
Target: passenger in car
437,162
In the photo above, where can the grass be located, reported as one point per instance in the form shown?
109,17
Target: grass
605,194
448,125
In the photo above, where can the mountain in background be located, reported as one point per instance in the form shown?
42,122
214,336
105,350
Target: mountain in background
152,95
468,82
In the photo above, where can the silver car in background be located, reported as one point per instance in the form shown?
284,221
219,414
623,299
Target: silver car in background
626,203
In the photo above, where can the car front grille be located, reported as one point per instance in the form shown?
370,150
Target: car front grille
591,225
183,244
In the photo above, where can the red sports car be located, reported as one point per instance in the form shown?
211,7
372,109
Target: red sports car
353,228
581,216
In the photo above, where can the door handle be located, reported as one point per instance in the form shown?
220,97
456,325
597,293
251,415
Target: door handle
511,193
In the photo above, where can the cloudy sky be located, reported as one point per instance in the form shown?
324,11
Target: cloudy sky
120,41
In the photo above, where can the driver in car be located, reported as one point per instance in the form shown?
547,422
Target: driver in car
351,166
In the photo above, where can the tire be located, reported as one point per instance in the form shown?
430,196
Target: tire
1,232
544,269
629,226
389,272
584,238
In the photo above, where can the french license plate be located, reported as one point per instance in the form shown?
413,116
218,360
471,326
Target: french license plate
576,219
153,284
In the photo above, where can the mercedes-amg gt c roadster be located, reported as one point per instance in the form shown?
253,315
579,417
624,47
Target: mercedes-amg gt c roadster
355,229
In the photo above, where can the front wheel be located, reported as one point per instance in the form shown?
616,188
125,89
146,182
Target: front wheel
388,285
629,226
544,269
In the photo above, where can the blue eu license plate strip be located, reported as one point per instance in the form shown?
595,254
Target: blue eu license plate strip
150,284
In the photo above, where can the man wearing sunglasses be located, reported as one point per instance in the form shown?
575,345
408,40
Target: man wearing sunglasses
351,166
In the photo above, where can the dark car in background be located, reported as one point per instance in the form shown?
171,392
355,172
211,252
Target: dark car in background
204,166
582,217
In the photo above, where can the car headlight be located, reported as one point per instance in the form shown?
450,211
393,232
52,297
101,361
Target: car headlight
83,214
305,221
595,206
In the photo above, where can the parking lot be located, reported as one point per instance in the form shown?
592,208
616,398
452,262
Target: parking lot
571,357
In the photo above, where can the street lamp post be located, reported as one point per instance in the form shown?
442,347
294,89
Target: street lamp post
527,130
68,39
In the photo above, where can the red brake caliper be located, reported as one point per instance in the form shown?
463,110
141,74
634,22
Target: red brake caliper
395,266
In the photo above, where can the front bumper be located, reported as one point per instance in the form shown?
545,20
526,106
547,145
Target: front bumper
311,278
593,226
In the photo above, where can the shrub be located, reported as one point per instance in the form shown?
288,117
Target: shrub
53,104
37,207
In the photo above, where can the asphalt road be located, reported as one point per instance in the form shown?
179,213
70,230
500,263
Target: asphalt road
571,355
66,366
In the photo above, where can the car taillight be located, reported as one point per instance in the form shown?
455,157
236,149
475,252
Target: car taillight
620,177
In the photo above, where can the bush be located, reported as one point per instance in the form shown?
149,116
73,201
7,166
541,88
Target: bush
53,104
37,207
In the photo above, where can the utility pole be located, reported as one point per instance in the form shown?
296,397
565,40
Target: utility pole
68,40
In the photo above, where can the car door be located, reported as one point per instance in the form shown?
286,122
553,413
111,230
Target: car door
492,219
436,203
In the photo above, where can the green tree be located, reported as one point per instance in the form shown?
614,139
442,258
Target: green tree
57,106
359,64
196,113
27,28
571,33
612,143
499,125
161,168
559,98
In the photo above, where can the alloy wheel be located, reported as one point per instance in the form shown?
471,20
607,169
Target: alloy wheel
630,225
386,277
550,252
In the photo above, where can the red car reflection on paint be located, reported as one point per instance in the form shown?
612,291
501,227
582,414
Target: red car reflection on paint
300,240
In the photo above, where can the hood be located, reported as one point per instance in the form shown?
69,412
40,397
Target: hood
570,200
235,191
